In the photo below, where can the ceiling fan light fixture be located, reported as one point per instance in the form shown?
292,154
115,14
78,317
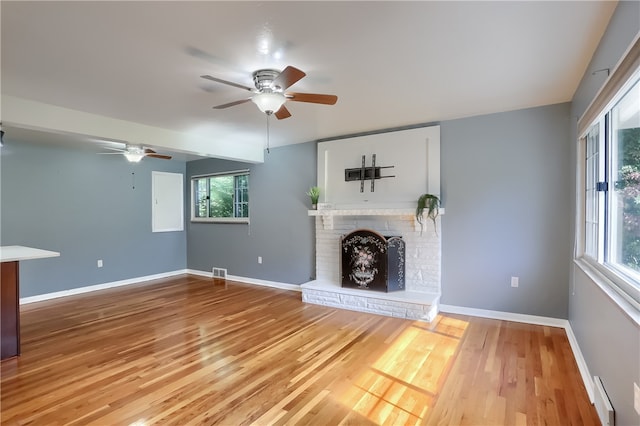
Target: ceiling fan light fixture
269,95
133,157
134,153
269,102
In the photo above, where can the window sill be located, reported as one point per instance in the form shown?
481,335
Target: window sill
240,220
630,307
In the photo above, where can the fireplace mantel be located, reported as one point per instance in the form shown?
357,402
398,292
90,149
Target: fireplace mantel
327,215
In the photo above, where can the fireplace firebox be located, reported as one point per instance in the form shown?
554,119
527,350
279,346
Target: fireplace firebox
372,261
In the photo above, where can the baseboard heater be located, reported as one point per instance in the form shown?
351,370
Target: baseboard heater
219,273
602,403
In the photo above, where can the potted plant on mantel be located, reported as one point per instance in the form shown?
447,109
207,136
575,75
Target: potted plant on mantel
430,203
314,194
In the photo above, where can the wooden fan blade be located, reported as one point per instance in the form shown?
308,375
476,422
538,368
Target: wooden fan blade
313,98
288,77
230,104
230,83
149,151
282,113
164,157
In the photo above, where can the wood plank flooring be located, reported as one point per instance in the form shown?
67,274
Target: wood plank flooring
190,350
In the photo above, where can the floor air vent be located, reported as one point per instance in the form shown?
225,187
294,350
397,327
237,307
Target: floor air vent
219,273
602,403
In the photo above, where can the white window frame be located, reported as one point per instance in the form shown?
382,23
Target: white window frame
621,285
216,219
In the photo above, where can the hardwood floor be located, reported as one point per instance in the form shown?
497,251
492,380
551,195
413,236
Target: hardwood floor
189,350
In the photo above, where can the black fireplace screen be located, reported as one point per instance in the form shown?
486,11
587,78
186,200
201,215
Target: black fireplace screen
372,261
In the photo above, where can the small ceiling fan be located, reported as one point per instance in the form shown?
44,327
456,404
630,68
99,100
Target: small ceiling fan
135,153
269,93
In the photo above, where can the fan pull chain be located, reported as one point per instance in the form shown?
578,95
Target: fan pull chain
268,115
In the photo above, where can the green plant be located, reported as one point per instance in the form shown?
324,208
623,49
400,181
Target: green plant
431,203
314,193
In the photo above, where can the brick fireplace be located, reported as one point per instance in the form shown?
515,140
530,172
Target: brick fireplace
373,182
421,296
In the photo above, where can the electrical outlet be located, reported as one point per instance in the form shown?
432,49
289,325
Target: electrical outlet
260,260
99,263
515,281
636,397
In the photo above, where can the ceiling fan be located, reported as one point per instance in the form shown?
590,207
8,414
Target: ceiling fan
135,153
269,93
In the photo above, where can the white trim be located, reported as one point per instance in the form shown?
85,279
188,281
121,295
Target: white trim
231,173
137,280
618,79
536,320
87,289
506,316
206,274
275,284
242,220
254,281
587,378
322,211
626,303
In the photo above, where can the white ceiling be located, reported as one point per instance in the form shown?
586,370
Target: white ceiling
390,63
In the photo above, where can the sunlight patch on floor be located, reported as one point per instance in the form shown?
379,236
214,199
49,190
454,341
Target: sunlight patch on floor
401,385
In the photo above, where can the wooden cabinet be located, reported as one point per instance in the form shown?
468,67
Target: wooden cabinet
9,310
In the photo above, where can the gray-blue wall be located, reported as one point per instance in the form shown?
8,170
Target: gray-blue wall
281,230
84,206
506,190
609,339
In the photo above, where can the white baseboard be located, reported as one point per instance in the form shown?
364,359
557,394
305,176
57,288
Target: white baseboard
87,289
537,320
255,281
137,280
200,273
587,378
507,316
275,284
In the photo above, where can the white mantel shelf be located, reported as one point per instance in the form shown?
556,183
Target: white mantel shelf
327,215
362,212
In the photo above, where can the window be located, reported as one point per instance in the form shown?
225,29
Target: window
624,247
221,197
611,200
594,173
